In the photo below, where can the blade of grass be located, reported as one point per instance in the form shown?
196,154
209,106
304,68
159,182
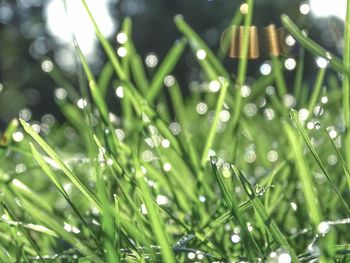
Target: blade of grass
165,68
12,217
231,202
269,222
48,171
46,219
345,166
106,46
316,91
105,78
211,136
346,82
278,74
193,36
225,42
298,80
156,223
6,138
312,46
307,141
305,177
242,66
67,171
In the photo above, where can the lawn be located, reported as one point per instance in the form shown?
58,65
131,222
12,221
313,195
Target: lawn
240,170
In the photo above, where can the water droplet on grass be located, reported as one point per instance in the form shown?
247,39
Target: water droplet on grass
332,159
214,159
151,60
323,228
169,81
317,125
122,38
235,238
191,255
201,54
82,103
61,94
259,190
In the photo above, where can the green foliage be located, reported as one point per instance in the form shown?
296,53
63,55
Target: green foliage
221,175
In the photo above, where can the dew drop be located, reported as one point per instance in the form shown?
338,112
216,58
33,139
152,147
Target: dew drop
317,125
151,60
235,238
60,94
122,38
259,190
214,159
191,255
201,54
323,228
122,52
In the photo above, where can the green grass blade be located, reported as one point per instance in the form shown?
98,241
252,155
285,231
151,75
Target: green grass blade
95,91
106,46
48,171
312,46
305,177
298,80
165,68
340,156
316,91
269,222
105,78
211,136
346,81
303,133
231,202
156,223
46,219
6,138
242,66
67,171
277,70
193,36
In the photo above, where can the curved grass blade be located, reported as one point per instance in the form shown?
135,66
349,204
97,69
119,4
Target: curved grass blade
312,46
95,91
242,66
6,138
232,204
156,223
346,81
226,40
46,219
48,171
303,133
28,237
106,46
316,91
260,209
305,177
193,36
165,68
67,171
105,78
211,136
345,166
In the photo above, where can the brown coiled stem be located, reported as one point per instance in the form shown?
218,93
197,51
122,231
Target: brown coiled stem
253,43
233,51
272,39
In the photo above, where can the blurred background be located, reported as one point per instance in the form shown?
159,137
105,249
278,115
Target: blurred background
37,35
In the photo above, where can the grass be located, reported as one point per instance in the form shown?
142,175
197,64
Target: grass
253,173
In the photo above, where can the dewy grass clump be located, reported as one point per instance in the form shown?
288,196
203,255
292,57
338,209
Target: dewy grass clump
228,174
